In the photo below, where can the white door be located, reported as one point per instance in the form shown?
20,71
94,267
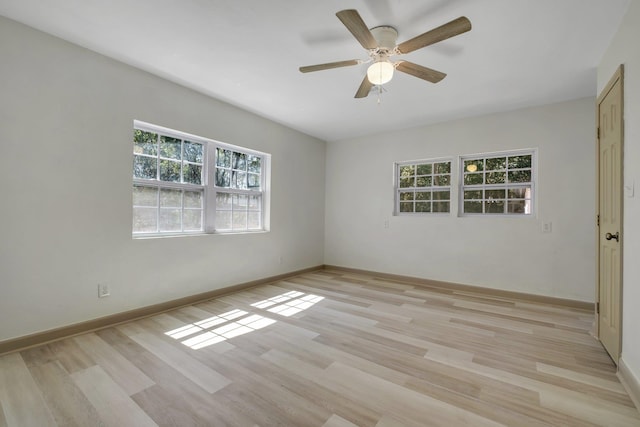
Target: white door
610,135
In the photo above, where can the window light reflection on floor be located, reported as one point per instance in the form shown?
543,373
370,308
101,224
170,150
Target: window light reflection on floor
239,322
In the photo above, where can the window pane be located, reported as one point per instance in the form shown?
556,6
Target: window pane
239,220
192,220
192,174
497,163
423,181
145,196
145,220
473,179
253,181
254,164
169,171
223,178
406,195
407,171
145,167
407,182
495,206
423,206
170,220
239,180
145,142
406,206
193,199
223,158
520,176
516,206
473,165
472,207
444,167
240,201
193,152
442,181
223,220
223,201
495,177
170,147
240,161
440,206
494,194
517,193
424,169
441,195
253,221
504,188
518,162
170,198
255,203
473,195
423,195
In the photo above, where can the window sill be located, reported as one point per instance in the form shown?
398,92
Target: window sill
170,235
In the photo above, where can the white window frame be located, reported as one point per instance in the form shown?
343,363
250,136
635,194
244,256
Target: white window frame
506,186
213,190
207,186
431,189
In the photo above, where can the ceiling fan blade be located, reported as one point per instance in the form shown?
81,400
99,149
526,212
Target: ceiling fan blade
364,89
354,23
328,66
443,32
420,72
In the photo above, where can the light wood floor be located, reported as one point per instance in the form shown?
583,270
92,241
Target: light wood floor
325,349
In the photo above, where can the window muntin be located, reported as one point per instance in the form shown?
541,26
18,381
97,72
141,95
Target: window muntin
174,194
499,184
423,187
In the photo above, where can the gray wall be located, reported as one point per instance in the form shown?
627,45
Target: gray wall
509,253
66,117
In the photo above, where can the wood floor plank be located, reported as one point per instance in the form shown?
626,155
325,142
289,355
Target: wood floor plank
68,404
206,378
123,372
336,421
610,385
21,398
112,403
408,406
327,349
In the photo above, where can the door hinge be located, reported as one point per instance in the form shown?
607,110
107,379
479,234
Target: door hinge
597,308
598,221
598,132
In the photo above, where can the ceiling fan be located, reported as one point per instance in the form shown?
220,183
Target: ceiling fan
380,43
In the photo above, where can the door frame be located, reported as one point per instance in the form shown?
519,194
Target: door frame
618,75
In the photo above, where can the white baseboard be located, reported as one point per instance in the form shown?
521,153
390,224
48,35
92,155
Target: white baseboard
629,381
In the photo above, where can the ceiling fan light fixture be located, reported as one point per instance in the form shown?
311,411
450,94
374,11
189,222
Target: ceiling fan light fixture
380,72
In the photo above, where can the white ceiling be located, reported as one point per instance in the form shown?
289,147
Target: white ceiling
247,52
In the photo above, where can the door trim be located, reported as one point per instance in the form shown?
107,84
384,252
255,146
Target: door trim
618,76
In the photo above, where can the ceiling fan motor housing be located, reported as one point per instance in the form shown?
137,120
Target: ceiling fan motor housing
386,37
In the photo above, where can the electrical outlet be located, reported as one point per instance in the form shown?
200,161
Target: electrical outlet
103,290
386,223
546,227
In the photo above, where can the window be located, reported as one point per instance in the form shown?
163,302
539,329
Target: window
500,183
184,184
238,196
423,187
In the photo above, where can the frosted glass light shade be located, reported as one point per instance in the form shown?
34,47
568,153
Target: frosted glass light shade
380,72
